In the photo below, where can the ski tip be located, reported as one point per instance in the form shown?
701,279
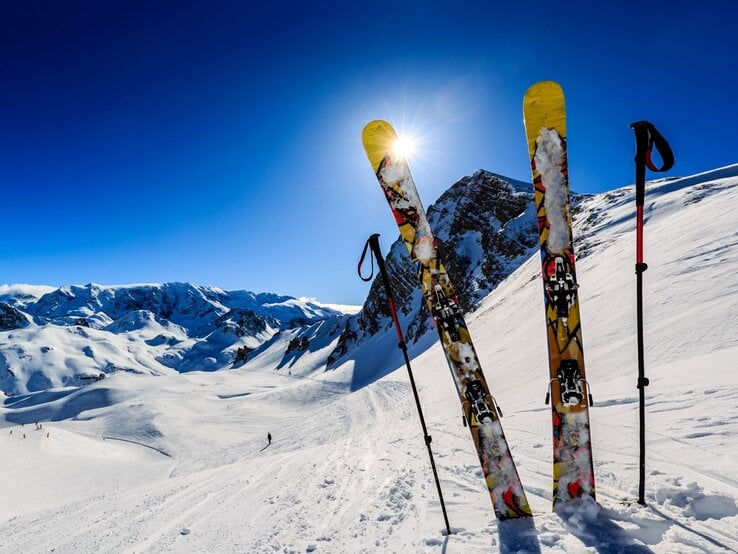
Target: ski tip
542,98
378,137
543,107
377,123
378,131
544,88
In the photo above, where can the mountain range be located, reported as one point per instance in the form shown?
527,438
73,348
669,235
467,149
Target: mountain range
74,335
69,336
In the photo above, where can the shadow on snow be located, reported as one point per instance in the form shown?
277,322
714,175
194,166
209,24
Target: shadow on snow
55,405
518,535
596,528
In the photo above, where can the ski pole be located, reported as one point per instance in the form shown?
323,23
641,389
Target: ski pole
372,245
646,137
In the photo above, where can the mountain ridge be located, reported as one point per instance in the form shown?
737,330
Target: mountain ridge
485,227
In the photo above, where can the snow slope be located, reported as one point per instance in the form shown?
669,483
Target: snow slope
184,465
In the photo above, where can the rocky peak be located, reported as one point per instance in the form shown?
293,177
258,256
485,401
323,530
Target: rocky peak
11,318
485,226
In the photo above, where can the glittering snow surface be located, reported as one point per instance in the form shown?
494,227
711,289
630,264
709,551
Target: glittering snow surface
179,462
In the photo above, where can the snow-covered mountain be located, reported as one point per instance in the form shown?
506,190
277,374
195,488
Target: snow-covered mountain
75,335
78,334
485,225
180,462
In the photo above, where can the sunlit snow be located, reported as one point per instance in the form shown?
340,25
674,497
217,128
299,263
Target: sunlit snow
180,462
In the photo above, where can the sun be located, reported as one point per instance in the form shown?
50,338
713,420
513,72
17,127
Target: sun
404,147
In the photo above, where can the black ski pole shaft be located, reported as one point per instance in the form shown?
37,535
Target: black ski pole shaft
641,133
646,137
373,244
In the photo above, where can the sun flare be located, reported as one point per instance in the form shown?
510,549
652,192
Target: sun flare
404,147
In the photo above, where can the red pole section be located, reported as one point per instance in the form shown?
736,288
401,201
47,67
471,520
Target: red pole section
639,234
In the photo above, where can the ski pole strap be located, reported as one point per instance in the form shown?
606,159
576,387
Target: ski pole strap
647,137
367,248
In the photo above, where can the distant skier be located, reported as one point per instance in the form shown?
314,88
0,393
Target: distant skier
269,439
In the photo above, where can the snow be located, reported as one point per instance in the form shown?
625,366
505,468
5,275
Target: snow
178,462
577,464
23,291
349,309
423,247
549,159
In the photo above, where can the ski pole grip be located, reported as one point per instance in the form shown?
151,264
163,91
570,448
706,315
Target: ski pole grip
647,137
373,243
641,138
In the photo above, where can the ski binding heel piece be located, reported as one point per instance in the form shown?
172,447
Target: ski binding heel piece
570,382
475,396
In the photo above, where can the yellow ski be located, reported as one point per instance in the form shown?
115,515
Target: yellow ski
481,413
545,125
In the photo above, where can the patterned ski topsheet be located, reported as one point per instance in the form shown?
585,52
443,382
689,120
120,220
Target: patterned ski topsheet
545,125
393,173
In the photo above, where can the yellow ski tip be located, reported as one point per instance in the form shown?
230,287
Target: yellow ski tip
544,88
543,106
378,137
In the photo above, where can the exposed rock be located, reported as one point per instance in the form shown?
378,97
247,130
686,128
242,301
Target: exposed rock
11,318
485,227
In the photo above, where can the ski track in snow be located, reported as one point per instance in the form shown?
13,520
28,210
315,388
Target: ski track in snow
348,472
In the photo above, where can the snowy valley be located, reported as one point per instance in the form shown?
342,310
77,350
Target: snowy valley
154,401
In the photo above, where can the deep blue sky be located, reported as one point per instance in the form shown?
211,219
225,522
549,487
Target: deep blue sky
218,142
